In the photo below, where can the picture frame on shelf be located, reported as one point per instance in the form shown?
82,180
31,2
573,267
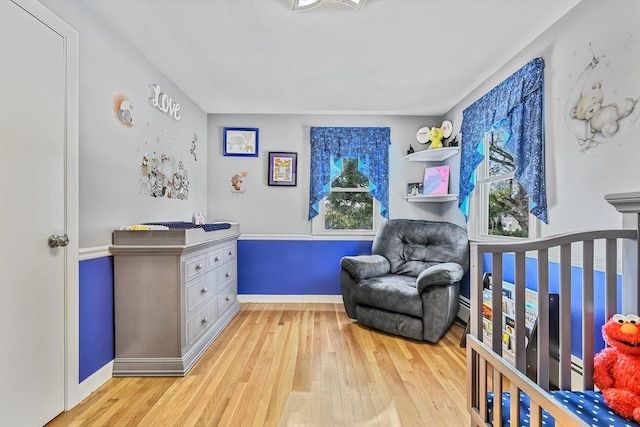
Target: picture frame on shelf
436,180
414,189
240,142
283,169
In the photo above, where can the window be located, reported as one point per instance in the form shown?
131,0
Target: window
503,204
349,179
502,157
349,205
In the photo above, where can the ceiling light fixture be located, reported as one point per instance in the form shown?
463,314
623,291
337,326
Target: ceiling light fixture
308,4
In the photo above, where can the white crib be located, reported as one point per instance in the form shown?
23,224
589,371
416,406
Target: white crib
490,374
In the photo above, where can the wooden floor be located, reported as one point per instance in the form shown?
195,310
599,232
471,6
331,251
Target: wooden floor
295,365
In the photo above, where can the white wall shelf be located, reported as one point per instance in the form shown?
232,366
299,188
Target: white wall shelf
432,198
433,155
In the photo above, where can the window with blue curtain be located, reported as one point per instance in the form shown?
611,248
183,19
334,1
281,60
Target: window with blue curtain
329,145
516,106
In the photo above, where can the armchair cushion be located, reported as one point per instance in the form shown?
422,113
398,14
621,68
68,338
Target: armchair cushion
392,292
446,273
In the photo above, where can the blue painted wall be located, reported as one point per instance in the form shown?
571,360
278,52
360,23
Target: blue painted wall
96,315
531,282
294,267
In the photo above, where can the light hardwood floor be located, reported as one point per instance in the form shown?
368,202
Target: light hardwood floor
295,365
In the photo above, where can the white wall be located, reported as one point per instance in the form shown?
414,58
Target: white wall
261,209
110,153
578,181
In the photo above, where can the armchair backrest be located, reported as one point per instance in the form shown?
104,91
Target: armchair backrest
411,246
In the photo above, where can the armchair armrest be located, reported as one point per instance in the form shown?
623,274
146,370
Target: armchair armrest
446,273
365,266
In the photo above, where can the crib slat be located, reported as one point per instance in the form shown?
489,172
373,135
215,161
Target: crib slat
611,280
482,392
535,415
497,397
588,332
514,405
496,303
520,333
476,291
543,319
565,316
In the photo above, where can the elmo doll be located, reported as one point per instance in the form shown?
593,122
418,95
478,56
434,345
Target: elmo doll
617,368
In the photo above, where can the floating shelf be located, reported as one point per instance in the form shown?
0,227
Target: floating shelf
433,154
432,198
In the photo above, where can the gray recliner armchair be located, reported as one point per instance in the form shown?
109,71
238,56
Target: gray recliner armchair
409,286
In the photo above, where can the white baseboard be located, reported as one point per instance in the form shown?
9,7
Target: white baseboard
95,381
332,299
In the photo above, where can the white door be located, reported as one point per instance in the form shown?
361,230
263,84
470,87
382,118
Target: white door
32,207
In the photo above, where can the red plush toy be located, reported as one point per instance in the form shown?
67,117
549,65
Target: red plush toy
617,368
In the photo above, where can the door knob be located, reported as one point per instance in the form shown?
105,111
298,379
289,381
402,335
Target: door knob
55,240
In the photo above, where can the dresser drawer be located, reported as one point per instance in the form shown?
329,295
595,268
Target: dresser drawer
229,252
195,266
202,321
226,274
201,290
215,258
226,298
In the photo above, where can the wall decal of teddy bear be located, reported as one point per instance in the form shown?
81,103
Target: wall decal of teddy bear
592,119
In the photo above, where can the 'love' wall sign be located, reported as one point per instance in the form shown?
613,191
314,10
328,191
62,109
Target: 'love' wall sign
164,103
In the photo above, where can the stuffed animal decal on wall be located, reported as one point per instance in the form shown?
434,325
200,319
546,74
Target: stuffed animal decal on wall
590,114
617,368
600,117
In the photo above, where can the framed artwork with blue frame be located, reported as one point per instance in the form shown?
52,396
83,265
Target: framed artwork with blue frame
240,142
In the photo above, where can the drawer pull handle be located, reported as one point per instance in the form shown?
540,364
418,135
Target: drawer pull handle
204,290
228,298
199,266
217,259
227,275
205,320
230,252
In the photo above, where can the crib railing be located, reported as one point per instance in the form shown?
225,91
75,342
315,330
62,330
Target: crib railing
479,353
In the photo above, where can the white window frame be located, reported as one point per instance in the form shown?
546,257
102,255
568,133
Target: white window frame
477,224
317,224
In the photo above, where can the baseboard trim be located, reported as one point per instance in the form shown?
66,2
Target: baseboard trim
94,381
277,299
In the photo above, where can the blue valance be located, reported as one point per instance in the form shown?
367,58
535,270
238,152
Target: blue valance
515,105
330,145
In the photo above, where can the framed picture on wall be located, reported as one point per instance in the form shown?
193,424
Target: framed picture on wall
283,169
240,142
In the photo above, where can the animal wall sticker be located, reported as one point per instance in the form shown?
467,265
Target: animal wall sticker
236,183
163,177
122,109
593,116
193,147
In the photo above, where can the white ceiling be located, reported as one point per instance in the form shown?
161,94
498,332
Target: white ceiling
404,57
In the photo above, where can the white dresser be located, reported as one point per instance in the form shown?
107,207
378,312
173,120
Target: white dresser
175,291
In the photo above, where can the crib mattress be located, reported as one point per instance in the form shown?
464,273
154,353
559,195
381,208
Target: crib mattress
588,405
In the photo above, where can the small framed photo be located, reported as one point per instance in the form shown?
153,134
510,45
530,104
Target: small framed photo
414,189
240,142
283,169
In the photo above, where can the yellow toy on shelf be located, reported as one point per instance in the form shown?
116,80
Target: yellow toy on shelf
435,136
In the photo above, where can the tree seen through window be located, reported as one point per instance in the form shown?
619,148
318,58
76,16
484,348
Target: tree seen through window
349,206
